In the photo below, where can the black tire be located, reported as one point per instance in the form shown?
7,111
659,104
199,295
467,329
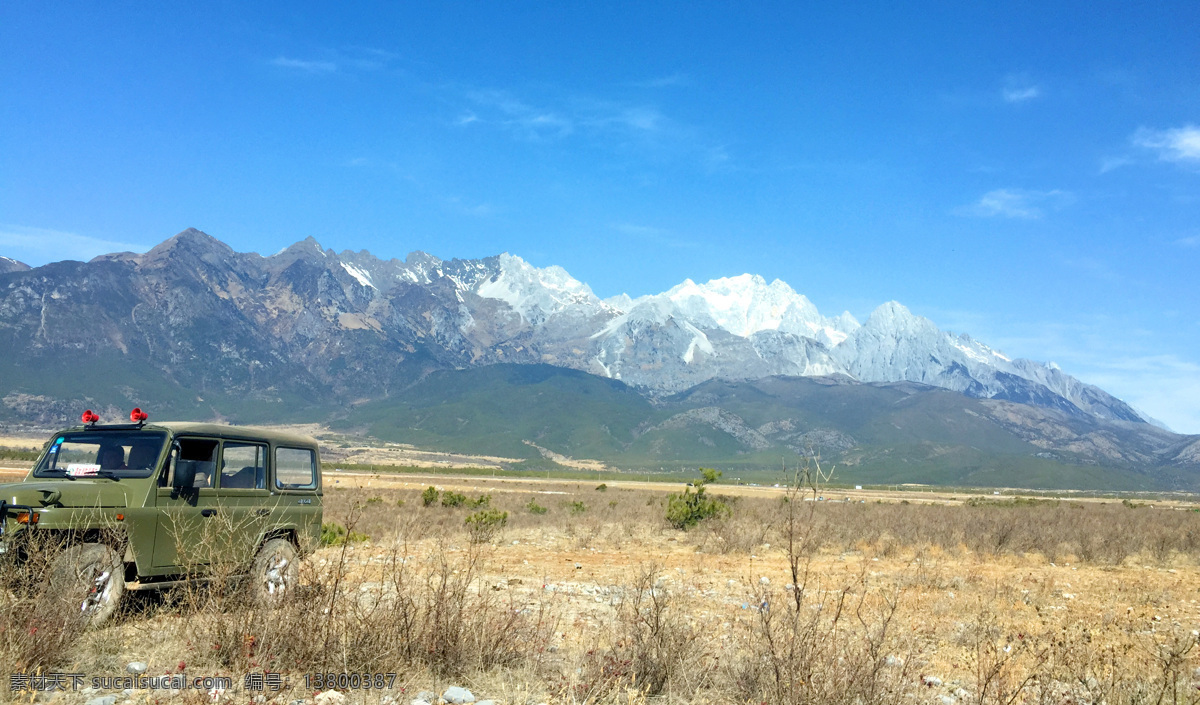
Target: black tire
275,575
90,577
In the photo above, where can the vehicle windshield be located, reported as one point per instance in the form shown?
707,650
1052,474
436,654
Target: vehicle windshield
111,454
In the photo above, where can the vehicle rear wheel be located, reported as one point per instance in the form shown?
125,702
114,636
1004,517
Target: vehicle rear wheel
276,571
90,577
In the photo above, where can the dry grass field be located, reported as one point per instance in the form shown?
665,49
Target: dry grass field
591,595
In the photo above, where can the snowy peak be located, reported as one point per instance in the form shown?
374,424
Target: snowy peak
746,304
742,305
428,313
893,317
536,294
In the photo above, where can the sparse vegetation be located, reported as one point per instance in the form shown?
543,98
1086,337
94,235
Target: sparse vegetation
430,496
453,499
485,524
690,508
334,534
991,601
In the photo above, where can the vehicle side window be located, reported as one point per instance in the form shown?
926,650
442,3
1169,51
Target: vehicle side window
243,466
295,469
197,463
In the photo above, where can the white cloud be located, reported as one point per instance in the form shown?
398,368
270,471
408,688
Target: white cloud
634,129
527,120
640,118
1113,163
1193,241
312,67
1179,144
1014,203
37,246
587,116
1020,88
1022,94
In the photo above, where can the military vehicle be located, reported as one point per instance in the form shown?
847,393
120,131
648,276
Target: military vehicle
143,506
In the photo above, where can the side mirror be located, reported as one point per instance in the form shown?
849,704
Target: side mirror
185,476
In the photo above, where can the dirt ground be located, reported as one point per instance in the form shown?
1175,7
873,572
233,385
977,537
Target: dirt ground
963,617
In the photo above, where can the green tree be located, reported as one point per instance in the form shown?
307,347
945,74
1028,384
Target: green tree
690,508
453,499
484,524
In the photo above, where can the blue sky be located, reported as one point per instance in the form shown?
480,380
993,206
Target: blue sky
1026,172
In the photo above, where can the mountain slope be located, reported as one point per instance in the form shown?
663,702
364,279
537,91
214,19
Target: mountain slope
901,432
350,325
193,328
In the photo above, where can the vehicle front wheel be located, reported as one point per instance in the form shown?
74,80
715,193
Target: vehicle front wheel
90,577
276,571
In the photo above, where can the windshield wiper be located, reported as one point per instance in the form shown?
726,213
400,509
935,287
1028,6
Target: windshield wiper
99,473
58,470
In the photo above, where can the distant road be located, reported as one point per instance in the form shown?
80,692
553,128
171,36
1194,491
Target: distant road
476,483
414,481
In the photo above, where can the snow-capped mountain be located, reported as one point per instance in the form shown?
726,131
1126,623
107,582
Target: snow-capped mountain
896,345
8,264
352,323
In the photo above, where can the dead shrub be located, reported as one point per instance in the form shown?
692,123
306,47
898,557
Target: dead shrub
653,649
369,608
816,645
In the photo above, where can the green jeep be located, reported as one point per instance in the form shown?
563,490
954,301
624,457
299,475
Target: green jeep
143,506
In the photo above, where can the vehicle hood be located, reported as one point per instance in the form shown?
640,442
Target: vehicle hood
80,493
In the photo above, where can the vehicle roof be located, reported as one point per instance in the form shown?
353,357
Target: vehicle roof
213,429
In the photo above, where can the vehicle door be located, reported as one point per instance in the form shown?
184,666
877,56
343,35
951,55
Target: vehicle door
187,505
296,482
245,500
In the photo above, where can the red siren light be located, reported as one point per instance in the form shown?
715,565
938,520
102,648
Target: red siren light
138,416
89,416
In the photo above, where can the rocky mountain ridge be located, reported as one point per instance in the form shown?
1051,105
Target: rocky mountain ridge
240,334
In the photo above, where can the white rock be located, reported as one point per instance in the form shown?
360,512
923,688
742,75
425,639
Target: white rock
764,580
329,697
931,681
457,696
136,667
